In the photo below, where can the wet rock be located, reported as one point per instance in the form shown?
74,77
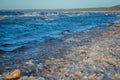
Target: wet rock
7,68
72,40
49,75
1,51
30,62
48,38
39,66
65,32
101,70
13,75
117,25
91,76
17,61
19,49
42,71
82,51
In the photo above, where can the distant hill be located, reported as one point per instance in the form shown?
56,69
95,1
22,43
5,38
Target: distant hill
117,7
113,8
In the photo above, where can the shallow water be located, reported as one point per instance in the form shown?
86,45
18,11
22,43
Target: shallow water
20,29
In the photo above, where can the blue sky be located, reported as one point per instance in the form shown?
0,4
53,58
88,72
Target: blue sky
55,4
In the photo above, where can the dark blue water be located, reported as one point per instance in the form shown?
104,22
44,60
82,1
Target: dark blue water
18,29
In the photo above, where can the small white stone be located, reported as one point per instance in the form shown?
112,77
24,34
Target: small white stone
30,62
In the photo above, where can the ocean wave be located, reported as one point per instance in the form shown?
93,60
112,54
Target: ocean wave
12,48
17,30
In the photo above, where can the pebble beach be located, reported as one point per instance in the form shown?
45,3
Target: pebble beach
93,54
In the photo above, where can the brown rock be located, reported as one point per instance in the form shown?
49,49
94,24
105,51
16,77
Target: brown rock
117,25
101,70
82,51
77,73
91,76
62,70
42,71
67,65
49,75
13,75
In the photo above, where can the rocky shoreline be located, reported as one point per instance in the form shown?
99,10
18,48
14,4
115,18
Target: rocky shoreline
94,57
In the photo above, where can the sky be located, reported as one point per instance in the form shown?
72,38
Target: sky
55,4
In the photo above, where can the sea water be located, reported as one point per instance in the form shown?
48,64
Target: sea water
18,28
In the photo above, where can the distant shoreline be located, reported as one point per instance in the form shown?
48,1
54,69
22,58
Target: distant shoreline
47,10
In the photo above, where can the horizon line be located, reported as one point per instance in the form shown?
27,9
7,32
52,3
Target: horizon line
55,8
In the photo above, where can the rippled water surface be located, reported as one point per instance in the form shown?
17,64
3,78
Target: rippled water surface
22,28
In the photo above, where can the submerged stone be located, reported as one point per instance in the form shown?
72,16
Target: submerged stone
117,25
65,32
13,75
